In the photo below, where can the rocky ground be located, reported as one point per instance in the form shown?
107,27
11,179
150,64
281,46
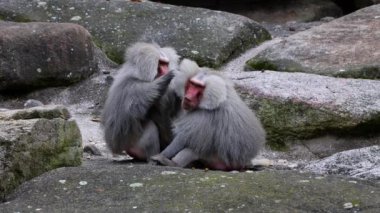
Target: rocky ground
308,176
85,109
103,185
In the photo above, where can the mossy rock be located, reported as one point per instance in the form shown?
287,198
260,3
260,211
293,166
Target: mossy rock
36,145
296,107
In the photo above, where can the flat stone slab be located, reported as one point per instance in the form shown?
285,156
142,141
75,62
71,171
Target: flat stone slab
106,186
46,111
359,163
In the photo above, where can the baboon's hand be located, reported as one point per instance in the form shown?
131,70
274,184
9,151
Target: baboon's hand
161,160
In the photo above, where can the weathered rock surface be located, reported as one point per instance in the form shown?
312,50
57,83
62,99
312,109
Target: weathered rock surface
359,163
347,47
34,141
44,54
273,11
90,92
84,100
103,186
209,37
295,106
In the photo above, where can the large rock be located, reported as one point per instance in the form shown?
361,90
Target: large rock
34,141
273,11
299,106
348,47
359,163
84,100
209,37
44,54
145,188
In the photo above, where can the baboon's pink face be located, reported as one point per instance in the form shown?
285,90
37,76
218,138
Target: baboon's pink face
193,94
163,67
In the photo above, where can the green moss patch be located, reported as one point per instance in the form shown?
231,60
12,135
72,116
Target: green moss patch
113,53
262,63
259,64
6,16
371,72
289,121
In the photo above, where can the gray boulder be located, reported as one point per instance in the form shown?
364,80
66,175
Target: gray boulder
103,186
34,55
347,47
209,37
273,11
300,106
359,163
34,141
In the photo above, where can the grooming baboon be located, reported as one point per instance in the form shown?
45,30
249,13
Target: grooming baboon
215,127
133,119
